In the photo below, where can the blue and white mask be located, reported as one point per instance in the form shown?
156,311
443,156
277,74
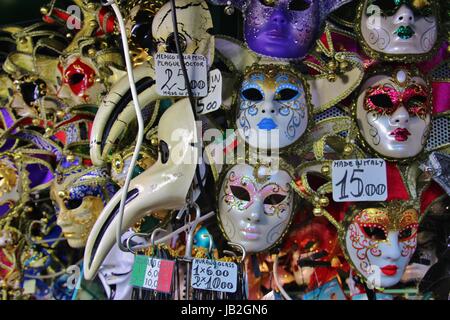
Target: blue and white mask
273,107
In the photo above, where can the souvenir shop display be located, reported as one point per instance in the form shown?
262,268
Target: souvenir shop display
226,150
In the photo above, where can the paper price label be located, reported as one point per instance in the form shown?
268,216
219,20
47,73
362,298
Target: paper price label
152,273
170,79
213,100
214,275
359,180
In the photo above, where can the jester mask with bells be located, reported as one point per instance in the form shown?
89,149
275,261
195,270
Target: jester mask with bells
283,29
79,193
406,30
83,76
393,112
256,204
379,238
150,28
274,107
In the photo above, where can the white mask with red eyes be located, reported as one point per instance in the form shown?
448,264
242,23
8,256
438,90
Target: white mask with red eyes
77,78
273,108
380,244
394,113
399,27
255,212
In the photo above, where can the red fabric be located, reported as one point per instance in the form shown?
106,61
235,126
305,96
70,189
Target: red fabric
429,195
395,184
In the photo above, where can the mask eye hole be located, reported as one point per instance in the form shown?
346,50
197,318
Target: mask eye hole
375,233
274,199
416,101
73,203
268,3
286,94
171,46
299,5
240,193
252,94
76,78
381,100
406,233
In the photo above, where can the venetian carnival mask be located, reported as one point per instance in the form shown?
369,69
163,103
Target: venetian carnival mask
194,25
273,107
284,29
393,113
80,194
378,238
398,28
380,241
255,206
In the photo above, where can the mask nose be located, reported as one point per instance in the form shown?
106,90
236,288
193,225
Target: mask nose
400,118
404,15
279,17
392,250
253,216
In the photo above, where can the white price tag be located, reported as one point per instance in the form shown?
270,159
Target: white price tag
169,75
359,180
213,100
214,275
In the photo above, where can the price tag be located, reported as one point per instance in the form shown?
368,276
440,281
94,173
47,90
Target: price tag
214,275
213,100
169,75
359,180
152,273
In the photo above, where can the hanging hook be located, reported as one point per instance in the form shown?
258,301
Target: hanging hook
154,233
192,227
128,241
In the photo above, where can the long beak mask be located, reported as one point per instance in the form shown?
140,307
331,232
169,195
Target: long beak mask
163,186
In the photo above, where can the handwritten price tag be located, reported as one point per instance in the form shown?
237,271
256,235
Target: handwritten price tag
169,75
214,275
359,180
213,100
152,273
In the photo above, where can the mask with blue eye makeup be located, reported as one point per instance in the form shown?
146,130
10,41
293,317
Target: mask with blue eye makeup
273,107
79,194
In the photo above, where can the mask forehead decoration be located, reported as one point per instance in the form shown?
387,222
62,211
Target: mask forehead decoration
194,25
283,29
393,113
398,30
79,194
10,185
273,107
256,205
